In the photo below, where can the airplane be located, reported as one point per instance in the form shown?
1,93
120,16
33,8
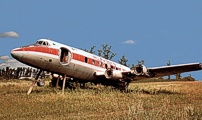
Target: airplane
78,66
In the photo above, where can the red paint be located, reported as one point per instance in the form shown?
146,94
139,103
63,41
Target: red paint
54,51
48,50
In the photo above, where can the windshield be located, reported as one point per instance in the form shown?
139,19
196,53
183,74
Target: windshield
38,43
42,43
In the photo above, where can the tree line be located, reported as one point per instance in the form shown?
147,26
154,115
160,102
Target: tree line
15,73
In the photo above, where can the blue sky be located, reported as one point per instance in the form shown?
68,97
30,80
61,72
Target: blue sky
162,30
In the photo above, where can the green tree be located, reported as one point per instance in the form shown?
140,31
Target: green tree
123,61
99,52
178,76
107,54
132,67
91,50
141,62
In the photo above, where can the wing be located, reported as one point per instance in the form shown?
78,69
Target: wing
170,70
164,71
141,72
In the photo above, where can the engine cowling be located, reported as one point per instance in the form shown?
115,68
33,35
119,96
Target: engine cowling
112,74
140,70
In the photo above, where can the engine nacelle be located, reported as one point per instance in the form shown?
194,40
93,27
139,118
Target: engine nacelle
114,75
140,70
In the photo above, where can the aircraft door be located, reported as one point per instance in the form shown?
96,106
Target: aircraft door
65,56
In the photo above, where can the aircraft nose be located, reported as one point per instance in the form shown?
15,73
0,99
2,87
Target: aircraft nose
16,54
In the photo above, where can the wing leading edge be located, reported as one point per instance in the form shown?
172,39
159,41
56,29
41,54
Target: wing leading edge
170,70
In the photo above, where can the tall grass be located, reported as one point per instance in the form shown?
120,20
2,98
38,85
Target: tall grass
181,100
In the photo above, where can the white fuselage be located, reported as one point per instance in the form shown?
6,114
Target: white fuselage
65,60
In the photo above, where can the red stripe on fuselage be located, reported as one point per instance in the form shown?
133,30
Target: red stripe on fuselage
48,50
76,56
81,58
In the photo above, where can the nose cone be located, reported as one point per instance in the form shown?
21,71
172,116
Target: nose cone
16,54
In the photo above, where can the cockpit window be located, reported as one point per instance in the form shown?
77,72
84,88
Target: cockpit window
42,43
39,42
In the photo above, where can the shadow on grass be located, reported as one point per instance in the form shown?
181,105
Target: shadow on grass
155,92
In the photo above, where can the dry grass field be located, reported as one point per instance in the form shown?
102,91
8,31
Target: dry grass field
163,100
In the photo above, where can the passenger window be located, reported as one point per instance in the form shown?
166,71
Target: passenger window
100,64
86,59
117,68
93,61
112,67
106,66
